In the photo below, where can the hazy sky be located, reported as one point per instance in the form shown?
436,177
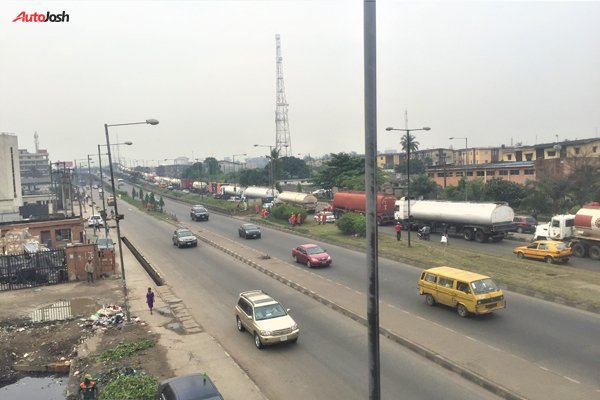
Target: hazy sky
495,72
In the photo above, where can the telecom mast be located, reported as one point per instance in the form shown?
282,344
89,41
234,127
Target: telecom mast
36,140
283,142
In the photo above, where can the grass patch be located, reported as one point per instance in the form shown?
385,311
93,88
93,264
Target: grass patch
138,386
126,350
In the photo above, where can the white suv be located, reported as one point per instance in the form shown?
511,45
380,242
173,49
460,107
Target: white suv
265,319
95,220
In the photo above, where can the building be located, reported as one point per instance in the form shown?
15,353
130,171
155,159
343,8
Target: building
35,170
11,197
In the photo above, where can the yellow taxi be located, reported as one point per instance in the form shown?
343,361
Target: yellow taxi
551,251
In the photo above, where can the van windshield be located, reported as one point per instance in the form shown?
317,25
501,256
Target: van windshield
484,286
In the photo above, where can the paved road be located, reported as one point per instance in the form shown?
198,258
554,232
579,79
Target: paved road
555,337
330,358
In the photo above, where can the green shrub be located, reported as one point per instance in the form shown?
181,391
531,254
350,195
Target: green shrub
124,387
283,211
352,224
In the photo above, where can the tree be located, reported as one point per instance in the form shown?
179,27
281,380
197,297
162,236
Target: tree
344,171
194,172
424,186
133,193
161,203
416,167
292,167
502,190
212,167
408,141
254,177
141,194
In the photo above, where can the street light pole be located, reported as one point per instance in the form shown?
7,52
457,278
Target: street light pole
408,131
233,162
466,149
117,216
91,192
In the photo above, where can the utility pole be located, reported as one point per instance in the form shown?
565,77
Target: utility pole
282,128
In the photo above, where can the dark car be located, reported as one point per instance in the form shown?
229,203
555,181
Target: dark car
184,238
249,231
524,224
189,387
311,255
199,213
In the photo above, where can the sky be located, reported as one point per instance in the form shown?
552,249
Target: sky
493,72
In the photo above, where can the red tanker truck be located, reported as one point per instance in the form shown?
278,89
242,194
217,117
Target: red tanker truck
581,231
356,202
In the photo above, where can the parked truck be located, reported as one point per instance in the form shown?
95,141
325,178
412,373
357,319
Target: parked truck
581,231
305,200
474,221
266,194
228,191
356,202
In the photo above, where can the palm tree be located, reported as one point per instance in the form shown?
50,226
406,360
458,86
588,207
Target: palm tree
414,145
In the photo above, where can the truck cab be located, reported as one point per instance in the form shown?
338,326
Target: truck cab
560,227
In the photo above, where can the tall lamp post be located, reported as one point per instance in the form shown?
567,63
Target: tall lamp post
408,131
117,216
90,178
466,149
128,143
234,183
270,157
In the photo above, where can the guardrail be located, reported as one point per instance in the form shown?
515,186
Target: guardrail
158,280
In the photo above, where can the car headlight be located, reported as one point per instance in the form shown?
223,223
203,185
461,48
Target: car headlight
294,327
265,333
479,302
328,258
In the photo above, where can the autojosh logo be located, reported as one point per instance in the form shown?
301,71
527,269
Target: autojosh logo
41,17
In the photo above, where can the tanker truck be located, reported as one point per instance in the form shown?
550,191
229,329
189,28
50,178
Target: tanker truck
304,200
266,194
228,191
581,231
356,202
479,221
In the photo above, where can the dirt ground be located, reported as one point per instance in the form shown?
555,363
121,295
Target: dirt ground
26,346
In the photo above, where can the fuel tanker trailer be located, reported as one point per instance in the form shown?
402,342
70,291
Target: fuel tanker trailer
305,200
356,202
474,221
266,194
581,231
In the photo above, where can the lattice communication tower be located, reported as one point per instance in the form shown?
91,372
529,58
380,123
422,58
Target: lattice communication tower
283,141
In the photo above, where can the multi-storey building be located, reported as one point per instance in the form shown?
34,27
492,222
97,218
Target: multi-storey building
35,170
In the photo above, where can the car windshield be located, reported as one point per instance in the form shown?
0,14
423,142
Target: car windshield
184,233
315,250
269,311
200,209
250,227
531,220
484,286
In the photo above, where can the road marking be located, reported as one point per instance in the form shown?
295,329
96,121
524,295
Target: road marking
390,305
494,348
470,338
570,379
544,368
451,330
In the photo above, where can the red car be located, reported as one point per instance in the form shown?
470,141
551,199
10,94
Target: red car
311,255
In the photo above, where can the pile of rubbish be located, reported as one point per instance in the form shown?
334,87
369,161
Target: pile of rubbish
109,315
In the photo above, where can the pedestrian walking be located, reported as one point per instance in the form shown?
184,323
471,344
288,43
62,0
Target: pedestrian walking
150,299
319,219
96,226
299,219
398,229
88,389
324,218
293,219
89,268
256,208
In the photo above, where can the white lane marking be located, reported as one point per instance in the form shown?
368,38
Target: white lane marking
451,330
544,368
570,379
470,338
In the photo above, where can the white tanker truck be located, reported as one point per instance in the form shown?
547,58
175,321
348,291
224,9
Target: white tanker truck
474,221
581,231
304,200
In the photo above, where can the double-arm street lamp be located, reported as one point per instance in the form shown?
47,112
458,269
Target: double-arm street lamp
408,144
466,149
117,216
270,157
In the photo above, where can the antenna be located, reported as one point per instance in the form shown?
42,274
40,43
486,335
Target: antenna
282,129
36,141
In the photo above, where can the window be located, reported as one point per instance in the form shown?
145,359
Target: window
529,156
459,173
514,172
576,150
491,173
62,234
503,172
430,278
509,157
594,149
480,173
445,282
556,224
463,287
529,172
551,153
469,173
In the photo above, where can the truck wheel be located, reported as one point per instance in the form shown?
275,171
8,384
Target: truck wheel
468,234
519,230
462,310
480,237
595,252
579,250
429,300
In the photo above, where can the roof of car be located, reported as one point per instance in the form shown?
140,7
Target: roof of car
257,297
308,246
250,226
194,386
457,273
